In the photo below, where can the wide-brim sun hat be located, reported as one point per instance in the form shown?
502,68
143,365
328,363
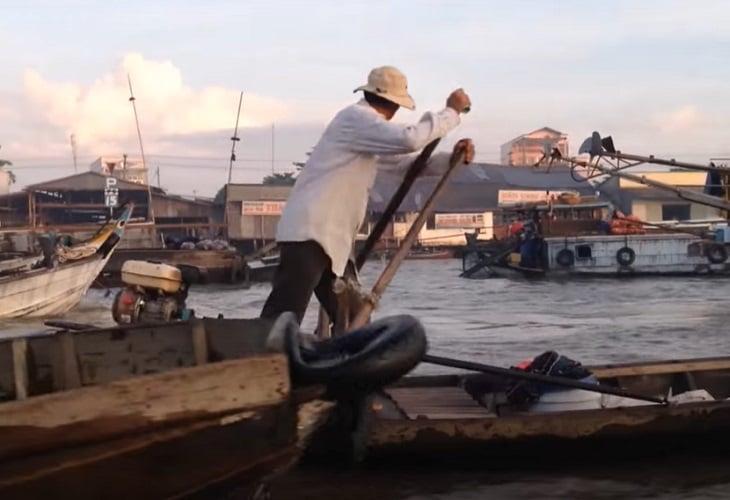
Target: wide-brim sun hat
391,84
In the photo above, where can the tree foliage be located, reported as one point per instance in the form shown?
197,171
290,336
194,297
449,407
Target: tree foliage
285,178
280,179
7,163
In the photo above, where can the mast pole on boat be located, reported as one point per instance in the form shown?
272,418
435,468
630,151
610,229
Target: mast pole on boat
132,99
234,140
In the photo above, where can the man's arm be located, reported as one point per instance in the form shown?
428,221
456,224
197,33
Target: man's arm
436,165
376,136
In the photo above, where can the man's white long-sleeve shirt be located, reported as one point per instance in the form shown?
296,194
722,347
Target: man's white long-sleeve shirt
329,199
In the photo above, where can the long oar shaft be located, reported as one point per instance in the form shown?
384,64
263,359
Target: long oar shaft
536,377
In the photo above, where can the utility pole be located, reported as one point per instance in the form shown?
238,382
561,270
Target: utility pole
73,152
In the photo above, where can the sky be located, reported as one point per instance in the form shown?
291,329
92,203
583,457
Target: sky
655,75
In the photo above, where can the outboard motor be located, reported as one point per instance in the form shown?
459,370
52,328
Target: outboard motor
152,292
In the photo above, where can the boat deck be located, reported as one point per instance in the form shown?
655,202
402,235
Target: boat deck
437,403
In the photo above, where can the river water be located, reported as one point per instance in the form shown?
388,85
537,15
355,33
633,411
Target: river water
503,322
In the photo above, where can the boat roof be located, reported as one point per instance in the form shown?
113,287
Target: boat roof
558,206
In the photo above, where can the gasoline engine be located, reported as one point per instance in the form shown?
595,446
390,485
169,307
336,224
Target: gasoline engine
152,292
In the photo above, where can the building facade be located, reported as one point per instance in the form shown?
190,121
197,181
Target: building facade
527,149
654,205
122,167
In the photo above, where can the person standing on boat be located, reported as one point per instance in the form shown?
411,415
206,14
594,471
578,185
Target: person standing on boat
328,202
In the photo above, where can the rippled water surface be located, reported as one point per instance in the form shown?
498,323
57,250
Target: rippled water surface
503,322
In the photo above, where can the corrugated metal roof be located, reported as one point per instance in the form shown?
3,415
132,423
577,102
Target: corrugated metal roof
475,188
86,181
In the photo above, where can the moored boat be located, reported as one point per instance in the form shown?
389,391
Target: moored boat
173,409
553,244
429,255
473,419
57,279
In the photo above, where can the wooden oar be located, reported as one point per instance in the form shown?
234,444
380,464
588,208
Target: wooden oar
414,171
363,315
548,379
260,252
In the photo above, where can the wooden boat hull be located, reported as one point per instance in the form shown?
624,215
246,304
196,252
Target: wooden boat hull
175,463
430,255
434,420
146,411
215,266
48,292
57,290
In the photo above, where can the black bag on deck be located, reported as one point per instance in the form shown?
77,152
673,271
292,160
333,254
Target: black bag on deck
525,392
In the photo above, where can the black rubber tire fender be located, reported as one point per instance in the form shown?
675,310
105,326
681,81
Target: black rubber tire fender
625,256
365,359
716,253
565,257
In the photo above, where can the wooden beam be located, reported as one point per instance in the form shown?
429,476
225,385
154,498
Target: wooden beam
603,372
70,376
20,367
141,404
200,343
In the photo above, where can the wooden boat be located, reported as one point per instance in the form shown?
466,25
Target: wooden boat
214,266
437,420
602,246
146,411
66,273
178,408
425,255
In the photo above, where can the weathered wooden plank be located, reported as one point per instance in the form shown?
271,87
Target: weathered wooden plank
116,354
69,363
437,403
20,368
661,368
207,452
7,382
142,403
200,343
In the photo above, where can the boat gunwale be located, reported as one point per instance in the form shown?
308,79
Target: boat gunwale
606,370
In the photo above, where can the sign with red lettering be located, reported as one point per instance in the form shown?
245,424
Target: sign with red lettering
262,207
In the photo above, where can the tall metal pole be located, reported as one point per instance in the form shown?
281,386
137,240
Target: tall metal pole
234,140
132,99
73,152
272,148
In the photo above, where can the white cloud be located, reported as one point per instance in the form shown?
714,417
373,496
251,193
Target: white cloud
678,120
100,114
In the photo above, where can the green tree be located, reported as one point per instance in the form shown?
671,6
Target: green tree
285,178
220,196
6,163
280,179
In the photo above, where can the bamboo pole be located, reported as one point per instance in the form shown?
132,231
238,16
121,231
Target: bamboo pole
363,315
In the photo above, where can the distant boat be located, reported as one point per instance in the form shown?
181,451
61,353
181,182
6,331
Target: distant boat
429,255
54,282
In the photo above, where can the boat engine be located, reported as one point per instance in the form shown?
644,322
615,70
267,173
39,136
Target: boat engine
152,292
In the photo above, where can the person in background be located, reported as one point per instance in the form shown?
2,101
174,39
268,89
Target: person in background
328,202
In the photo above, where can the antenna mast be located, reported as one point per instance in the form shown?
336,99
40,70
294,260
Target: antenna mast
132,99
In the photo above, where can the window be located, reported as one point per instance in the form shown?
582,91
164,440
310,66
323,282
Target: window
675,211
694,249
583,252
